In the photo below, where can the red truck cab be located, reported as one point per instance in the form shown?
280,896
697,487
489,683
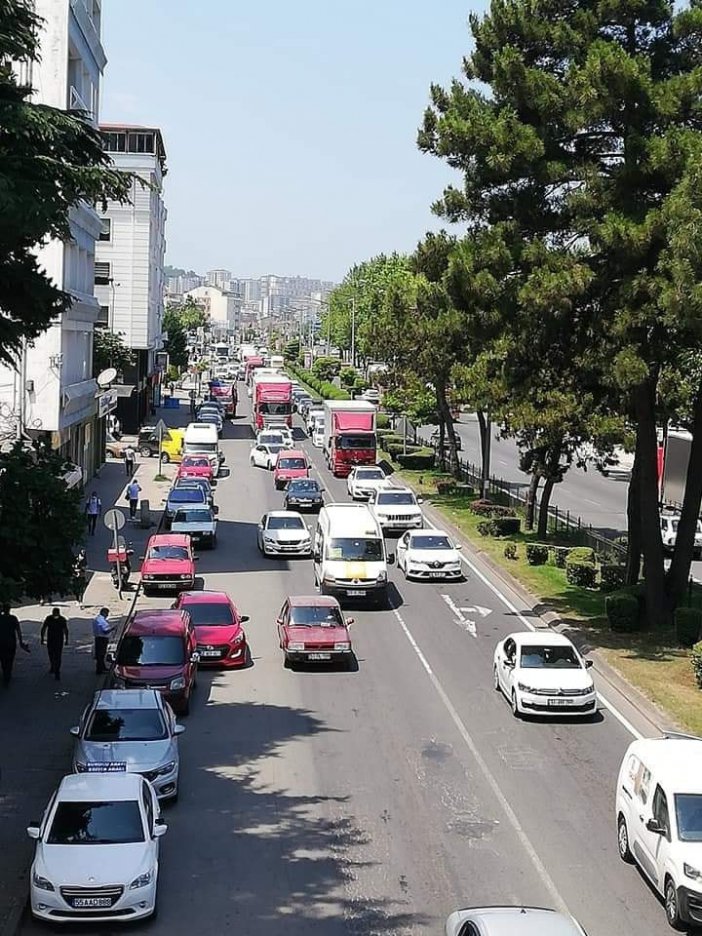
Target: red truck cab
271,400
290,463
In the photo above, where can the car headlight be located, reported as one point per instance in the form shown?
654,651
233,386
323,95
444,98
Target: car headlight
524,688
177,683
147,578
239,638
382,576
587,691
142,881
80,767
688,871
296,646
166,769
41,882
342,645
270,540
185,575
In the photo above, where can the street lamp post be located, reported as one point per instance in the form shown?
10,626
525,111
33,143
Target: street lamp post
353,330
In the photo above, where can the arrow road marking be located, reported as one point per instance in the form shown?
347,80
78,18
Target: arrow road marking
478,609
464,622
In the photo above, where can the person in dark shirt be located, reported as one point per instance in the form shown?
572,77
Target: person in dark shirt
10,636
55,629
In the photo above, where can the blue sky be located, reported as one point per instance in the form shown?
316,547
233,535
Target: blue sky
289,127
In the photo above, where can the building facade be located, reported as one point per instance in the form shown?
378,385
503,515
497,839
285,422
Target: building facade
224,308
129,268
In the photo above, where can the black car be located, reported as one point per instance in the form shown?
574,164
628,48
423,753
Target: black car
303,494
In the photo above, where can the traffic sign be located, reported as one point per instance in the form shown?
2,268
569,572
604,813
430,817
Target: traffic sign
160,427
114,519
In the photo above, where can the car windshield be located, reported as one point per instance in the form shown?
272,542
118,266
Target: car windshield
366,441
545,657
359,550
270,438
210,612
316,616
688,813
274,409
151,650
430,542
78,823
190,462
168,552
193,516
183,495
286,523
303,486
292,463
391,498
370,474
139,724
203,446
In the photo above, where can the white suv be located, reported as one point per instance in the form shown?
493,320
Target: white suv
659,820
396,508
669,533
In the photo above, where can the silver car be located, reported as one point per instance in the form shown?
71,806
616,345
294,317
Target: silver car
284,533
511,921
131,730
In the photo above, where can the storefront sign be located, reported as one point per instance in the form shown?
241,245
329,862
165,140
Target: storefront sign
107,402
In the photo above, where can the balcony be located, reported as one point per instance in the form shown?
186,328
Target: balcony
76,103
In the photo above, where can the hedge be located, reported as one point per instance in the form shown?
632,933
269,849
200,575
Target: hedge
423,460
560,556
382,421
536,554
486,528
696,660
622,611
324,388
579,572
612,576
581,554
482,507
394,450
510,551
688,623
506,526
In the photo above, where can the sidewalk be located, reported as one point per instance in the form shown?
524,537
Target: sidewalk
35,710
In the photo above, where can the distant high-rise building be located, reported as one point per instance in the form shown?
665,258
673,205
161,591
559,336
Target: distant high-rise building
219,278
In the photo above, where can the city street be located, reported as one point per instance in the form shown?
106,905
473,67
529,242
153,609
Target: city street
378,800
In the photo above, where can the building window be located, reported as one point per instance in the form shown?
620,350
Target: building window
140,143
106,229
115,142
102,273
103,316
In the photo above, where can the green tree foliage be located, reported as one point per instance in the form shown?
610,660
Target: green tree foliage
192,316
42,523
109,350
176,343
50,160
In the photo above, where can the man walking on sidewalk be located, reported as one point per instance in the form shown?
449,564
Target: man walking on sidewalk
101,632
133,491
55,629
93,509
10,636
129,460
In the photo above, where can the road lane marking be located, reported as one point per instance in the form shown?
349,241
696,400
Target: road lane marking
490,778
465,622
478,609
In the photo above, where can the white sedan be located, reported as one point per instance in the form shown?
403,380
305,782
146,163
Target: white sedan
264,455
363,480
97,850
270,436
284,431
429,554
284,533
541,673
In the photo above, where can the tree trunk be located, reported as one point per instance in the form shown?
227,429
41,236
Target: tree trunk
652,545
542,529
531,499
442,435
445,415
484,441
633,550
679,572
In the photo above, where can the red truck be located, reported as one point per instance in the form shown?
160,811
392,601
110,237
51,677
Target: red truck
252,363
227,394
271,399
349,435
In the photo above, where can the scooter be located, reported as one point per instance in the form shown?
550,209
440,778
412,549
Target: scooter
120,566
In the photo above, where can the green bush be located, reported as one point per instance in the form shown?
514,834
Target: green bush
581,573
696,660
536,554
482,507
347,375
506,526
511,551
394,451
446,487
499,511
581,554
392,438
382,421
612,576
688,623
560,556
324,368
622,612
486,528
423,460
638,591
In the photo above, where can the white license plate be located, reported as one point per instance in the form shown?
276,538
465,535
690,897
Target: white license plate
560,702
319,656
91,902
436,574
356,593
209,653
164,584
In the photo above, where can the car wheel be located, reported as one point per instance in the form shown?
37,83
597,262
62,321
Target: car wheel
496,680
672,908
623,841
515,705
145,452
251,462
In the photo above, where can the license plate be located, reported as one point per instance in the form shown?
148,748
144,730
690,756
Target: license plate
356,593
319,656
560,702
436,574
91,902
164,585
209,653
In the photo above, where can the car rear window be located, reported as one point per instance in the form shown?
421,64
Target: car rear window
292,463
138,724
151,650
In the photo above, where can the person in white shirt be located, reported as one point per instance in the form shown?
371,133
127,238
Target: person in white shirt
101,632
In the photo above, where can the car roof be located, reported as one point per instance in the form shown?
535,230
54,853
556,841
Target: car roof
541,638
429,532
394,489
306,481
83,787
293,453
285,513
674,760
200,597
166,621
312,601
522,921
168,539
127,698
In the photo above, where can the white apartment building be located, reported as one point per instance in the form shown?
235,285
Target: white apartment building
52,390
220,278
224,308
129,267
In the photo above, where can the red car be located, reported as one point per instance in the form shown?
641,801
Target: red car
290,463
195,466
221,640
314,629
158,649
168,563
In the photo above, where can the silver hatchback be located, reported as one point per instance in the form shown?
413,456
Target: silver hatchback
511,921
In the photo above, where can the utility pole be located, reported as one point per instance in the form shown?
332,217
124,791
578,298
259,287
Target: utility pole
485,487
353,330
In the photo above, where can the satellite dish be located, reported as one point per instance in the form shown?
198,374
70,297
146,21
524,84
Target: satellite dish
106,377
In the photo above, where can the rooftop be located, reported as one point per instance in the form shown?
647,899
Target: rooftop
88,787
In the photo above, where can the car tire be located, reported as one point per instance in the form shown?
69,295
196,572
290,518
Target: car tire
515,705
623,841
145,452
287,663
672,907
496,680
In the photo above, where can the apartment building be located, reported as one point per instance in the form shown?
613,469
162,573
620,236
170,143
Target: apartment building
224,308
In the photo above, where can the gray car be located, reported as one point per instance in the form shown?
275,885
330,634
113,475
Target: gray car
179,497
131,730
511,921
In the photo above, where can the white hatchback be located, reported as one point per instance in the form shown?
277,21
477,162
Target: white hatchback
541,673
97,850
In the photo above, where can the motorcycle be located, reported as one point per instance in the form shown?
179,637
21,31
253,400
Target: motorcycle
118,559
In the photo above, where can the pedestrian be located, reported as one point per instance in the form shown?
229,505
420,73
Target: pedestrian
93,509
55,630
133,491
10,636
129,460
171,387
79,582
192,402
101,631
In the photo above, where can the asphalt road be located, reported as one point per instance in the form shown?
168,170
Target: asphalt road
328,802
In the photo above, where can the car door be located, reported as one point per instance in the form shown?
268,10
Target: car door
350,481
261,456
506,665
402,547
261,527
651,847
641,812
283,620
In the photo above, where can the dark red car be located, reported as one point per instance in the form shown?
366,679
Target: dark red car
195,466
158,649
290,463
168,563
313,629
221,640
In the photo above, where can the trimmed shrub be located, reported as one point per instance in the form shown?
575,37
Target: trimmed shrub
422,460
581,554
446,487
688,622
511,551
486,528
612,576
560,556
482,507
696,660
581,573
622,612
638,591
536,554
382,421
499,511
506,526
394,451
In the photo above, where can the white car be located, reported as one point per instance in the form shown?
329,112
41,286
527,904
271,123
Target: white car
318,435
284,533
511,921
199,522
363,480
669,533
541,673
274,437
396,508
371,394
313,413
429,554
285,432
265,455
97,851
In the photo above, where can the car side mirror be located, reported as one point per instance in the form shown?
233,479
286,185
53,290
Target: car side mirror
160,828
215,510
34,830
244,618
350,622
509,664
142,558
316,555
588,663
279,620
179,729
459,546
420,500
75,731
391,559
196,558
195,657
109,657
653,825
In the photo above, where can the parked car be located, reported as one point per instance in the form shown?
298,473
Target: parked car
303,494
429,554
181,496
221,640
543,674
96,857
130,729
171,444
669,521
199,522
313,629
115,447
283,533
168,563
158,649
290,464
511,921
265,455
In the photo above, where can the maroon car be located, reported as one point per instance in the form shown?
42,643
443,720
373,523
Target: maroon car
221,640
313,629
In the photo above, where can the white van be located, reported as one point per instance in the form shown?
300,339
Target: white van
318,432
659,820
202,439
349,554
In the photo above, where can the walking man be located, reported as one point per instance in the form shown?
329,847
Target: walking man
80,567
192,402
55,630
10,636
101,631
133,491
129,460
93,509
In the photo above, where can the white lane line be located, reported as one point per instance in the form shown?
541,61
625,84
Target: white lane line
465,622
539,866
